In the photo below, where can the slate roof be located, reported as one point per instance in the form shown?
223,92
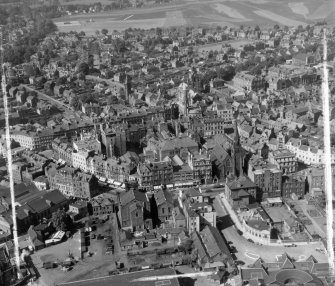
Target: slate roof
241,183
55,197
163,196
214,242
133,195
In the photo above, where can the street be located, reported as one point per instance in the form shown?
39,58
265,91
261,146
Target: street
249,252
47,97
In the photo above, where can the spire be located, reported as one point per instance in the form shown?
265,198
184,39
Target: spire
236,134
237,155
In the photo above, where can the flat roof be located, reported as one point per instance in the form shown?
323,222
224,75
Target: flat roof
274,200
278,214
128,279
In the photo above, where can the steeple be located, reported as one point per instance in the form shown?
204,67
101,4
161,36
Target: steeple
237,153
236,134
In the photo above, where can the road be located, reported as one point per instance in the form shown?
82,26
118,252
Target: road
247,250
47,97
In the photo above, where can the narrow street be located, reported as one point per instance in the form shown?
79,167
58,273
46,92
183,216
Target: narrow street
47,97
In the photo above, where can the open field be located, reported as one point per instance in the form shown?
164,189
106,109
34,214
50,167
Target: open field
230,12
210,12
299,8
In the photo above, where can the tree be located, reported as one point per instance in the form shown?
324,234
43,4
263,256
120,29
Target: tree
29,70
104,31
56,74
62,221
75,102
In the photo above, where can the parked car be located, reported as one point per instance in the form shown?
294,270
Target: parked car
250,240
93,236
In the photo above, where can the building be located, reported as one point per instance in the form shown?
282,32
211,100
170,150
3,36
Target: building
201,165
42,183
240,192
178,218
63,150
134,212
316,181
213,126
294,185
197,209
286,271
32,140
33,210
246,81
78,209
212,250
89,108
164,202
8,271
266,176
222,165
158,150
307,154
103,204
224,111
285,160
71,182
155,174
114,141
79,159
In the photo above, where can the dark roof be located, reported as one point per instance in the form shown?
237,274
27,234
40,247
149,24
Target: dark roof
163,196
55,197
38,205
133,195
242,182
214,242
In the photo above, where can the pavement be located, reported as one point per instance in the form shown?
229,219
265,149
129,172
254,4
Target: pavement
249,252
95,266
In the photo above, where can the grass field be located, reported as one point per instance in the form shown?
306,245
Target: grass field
205,12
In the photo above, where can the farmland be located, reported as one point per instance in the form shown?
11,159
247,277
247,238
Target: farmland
210,12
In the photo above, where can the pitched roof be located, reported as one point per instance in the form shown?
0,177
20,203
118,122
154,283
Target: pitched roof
55,197
163,196
133,195
214,242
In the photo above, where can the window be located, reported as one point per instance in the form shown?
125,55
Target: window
163,210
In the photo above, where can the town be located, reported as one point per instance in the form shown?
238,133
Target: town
194,154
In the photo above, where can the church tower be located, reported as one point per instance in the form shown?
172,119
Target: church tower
236,153
127,86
